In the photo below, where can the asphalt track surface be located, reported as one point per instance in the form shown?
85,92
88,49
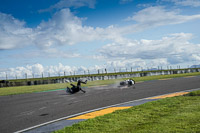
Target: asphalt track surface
22,111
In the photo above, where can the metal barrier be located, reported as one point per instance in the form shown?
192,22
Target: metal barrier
6,83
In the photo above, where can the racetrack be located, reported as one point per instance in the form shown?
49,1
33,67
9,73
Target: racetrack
22,111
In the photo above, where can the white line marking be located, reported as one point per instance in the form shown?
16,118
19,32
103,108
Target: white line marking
63,118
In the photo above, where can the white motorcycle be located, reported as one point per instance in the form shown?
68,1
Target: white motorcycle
127,83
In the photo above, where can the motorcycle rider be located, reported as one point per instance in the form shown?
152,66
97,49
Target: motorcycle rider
77,88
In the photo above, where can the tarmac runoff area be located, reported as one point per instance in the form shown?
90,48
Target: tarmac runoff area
70,120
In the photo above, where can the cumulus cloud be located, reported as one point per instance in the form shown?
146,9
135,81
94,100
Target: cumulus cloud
13,32
48,36
64,28
137,54
71,3
135,64
172,49
155,16
22,72
38,70
192,3
158,16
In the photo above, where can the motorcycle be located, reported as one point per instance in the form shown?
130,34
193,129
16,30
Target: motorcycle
127,83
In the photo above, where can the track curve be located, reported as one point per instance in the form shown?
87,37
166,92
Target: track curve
18,112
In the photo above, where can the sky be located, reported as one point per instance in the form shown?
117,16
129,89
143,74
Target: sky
74,36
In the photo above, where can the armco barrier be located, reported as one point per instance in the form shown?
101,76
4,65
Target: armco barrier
5,83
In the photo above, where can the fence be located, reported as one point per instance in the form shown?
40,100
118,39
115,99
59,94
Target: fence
63,79
10,76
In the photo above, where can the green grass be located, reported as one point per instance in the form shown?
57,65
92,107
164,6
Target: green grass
194,93
176,114
47,87
29,89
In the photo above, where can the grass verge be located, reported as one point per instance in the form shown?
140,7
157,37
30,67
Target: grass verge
176,114
47,87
